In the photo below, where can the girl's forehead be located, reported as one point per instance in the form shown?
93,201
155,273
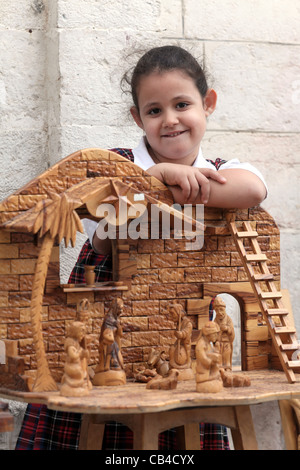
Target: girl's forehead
156,77
177,81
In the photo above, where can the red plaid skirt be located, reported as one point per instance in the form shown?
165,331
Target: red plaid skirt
44,429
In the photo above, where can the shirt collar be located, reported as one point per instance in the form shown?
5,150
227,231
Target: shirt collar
144,161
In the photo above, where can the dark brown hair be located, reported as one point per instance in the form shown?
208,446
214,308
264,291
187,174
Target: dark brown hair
163,59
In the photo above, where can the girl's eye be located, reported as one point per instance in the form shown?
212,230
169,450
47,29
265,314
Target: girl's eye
181,105
154,111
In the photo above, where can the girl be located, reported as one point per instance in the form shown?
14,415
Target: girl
171,104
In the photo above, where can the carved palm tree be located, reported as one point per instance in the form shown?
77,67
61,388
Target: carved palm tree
51,218
56,218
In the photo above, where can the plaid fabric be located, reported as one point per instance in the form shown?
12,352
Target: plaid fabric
44,429
126,153
87,256
213,437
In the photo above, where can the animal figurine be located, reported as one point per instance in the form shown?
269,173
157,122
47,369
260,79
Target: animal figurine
158,362
234,380
164,383
144,375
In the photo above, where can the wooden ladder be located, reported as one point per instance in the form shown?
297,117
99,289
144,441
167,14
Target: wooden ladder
283,334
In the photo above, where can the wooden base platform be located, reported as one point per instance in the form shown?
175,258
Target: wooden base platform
149,412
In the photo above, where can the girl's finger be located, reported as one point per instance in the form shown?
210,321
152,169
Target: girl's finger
194,188
214,175
204,187
185,188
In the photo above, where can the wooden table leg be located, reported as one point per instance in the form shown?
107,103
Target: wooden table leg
91,433
188,436
243,434
145,431
290,420
147,426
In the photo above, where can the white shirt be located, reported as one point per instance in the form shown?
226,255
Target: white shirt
144,161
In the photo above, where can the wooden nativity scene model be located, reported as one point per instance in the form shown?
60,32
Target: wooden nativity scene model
152,322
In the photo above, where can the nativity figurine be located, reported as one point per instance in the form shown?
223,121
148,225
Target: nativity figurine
168,382
110,369
180,351
158,361
208,359
75,381
226,335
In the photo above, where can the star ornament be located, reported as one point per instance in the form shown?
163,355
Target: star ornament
117,202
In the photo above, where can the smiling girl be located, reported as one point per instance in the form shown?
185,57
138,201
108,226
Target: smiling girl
171,104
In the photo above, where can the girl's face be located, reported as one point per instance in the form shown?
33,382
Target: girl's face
173,115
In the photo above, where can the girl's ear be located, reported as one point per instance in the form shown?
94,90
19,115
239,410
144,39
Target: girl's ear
210,102
136,116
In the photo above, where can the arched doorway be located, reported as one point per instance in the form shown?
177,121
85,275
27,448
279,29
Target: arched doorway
233,309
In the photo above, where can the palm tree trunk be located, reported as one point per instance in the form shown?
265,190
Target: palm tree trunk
44,381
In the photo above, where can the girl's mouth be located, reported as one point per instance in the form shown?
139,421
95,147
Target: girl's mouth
173,134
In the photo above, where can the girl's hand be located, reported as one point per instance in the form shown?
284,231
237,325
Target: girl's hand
188,183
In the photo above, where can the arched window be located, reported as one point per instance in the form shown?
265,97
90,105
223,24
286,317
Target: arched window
73,260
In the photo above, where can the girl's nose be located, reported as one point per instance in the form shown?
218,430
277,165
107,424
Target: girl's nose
170,118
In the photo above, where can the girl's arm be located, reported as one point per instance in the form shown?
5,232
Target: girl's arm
228,189
243,189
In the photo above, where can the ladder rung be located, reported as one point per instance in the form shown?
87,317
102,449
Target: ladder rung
249,234
271,295
294,364
256,257
284,329
277,311
263,277
289,347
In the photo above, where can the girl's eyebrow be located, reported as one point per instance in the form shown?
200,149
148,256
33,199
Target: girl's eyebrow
150,105
182,97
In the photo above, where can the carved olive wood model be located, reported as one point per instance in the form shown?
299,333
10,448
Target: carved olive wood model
148,274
